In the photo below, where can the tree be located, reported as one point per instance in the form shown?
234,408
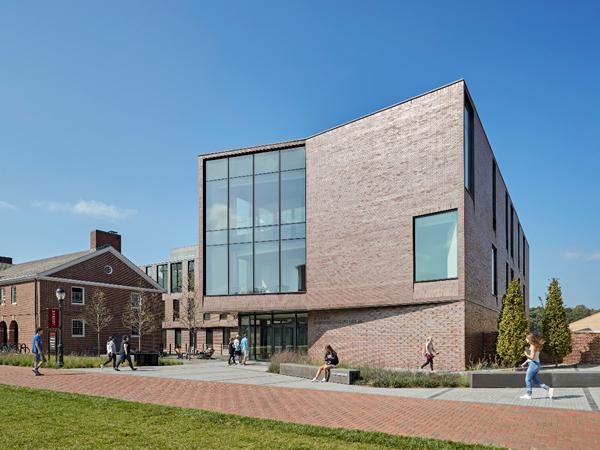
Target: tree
556,327
189,314
143,315
97,314
513,326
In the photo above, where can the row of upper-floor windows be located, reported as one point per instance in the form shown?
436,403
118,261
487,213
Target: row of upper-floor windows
13,295
509,275
174,282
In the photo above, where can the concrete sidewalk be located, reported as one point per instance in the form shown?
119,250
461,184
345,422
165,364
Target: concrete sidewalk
580,399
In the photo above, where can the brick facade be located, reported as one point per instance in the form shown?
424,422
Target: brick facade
586,349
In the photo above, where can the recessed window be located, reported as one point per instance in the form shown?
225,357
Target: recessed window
506,278
223,316
436,246
469,145
206,316
209,337
519,245
77,328
77,296
149,271
161,275
494,272
506,209
136,300
191,276
512,232
13,295
175,310
178,338
3,296
494,169
176,281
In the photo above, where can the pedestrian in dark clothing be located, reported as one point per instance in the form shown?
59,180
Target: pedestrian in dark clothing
231,352
125,353
429,353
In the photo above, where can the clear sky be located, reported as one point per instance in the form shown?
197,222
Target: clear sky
105,105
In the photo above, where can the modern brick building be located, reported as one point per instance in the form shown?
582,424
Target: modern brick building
185,327
28,290
369,236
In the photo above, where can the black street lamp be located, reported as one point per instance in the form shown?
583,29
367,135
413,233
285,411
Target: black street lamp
60,296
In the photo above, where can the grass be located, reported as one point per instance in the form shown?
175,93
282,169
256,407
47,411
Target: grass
44,419
378,376
70,362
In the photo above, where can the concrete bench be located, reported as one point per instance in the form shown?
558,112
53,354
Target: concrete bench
554,378
341,376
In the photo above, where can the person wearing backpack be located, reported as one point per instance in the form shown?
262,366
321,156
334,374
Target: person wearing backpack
331,361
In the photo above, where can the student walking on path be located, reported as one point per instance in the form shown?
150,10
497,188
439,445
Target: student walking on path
429,353
237,349
533,362
231,352
331,360
125,353
244,344
111,353
38,351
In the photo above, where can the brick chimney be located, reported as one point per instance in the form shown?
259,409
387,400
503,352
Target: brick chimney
100,239
5,262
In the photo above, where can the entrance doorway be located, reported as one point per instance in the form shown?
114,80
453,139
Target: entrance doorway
13,333
274,332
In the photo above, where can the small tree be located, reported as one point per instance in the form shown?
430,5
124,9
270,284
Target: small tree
189,316
513,326
97,314
556,327
143,315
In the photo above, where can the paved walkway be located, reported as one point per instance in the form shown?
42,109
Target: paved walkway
502,425
256,374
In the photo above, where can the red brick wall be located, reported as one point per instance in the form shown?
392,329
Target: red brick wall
586,349
390,337
22,313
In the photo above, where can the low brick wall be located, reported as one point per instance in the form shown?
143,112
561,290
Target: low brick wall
586,349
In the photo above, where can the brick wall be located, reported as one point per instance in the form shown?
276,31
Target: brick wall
586,349
22,314
390,337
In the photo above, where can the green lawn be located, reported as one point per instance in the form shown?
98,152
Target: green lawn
70,362
33,419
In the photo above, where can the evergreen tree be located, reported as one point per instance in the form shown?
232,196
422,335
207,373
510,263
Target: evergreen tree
556,327
513,326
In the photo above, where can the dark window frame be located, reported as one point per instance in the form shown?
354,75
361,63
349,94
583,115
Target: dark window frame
495,272
176,310
206,316
176,284
469,151
494,200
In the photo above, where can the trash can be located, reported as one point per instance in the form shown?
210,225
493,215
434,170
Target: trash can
146,359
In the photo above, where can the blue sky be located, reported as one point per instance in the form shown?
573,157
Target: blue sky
105,105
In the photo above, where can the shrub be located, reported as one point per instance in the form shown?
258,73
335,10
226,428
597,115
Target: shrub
513,326
287,356
380,377
556,327
70,361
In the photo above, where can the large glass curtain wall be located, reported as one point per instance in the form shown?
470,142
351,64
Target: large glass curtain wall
274,332
254,217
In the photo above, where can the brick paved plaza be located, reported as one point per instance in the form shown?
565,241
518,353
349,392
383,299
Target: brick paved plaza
501,425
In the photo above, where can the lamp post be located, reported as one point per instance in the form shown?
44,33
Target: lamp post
60,296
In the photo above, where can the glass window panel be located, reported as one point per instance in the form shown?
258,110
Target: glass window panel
293,266
293,196
240,166
215,169
294,158
240,269
436,249
266,269
216,270
240,235
266,162
293,231
266,234
176,277
266,199
216,205
240,202
161,275
216,237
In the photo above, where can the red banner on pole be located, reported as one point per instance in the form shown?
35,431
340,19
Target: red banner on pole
53,318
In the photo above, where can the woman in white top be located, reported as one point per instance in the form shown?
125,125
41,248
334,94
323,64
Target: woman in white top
533,359
429,353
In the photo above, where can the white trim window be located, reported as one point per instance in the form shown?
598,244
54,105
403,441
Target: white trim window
136,300
2,296
78,328
77,295
13,295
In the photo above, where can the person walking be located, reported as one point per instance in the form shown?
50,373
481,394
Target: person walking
331,360
231,352
111,353
38,351
125,353
533,362
429,353
237,349
245,349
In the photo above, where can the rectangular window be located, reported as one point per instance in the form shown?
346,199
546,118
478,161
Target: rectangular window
209,337
512,275
435,245
177,338
175,310
512,232
494,195
13,295
77,296
223,316
494,271
468,141
149,271
136,300
206,316
161,275
77,328
3,296
226,335
519,245
506,218
524,257
191,275
176,277
254,216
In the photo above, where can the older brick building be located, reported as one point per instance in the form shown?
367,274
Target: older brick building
369,236
27,291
